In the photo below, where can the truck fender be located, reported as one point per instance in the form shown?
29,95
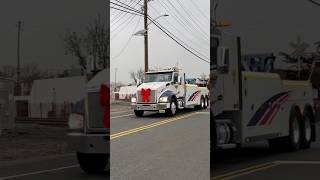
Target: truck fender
168,94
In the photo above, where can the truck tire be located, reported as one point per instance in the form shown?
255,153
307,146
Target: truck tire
93,163
173,108
138,113
206,102
306,130
202,103
291,142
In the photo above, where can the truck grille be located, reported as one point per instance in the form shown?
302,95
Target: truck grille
95,111
152,98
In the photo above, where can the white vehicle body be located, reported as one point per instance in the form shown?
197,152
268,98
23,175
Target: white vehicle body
90,136
256,106
168,90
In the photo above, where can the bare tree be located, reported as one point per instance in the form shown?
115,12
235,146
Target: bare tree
94,43
29,72
137,76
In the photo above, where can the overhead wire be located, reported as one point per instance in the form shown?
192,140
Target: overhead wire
183,22
189,23
169,34
127,43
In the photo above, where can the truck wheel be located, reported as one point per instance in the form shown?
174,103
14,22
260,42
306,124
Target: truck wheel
202,103
206,102
138,113
306,130
293,141
173,108
93,163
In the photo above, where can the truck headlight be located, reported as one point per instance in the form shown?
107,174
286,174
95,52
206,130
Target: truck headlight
75,121
163,99
133,100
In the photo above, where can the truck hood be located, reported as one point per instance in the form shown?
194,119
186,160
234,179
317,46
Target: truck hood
101,78
153,85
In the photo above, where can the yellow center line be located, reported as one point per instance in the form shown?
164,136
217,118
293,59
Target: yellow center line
245,171
142,128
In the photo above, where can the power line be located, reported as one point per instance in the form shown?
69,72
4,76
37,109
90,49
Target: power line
169,34
126,22
191,18
315,2
125,6
127,43
181,33
183,22
117,15
125,11
129,19
199,10
121,16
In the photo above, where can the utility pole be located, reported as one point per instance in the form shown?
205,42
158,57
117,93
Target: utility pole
115,79
146,35
18,89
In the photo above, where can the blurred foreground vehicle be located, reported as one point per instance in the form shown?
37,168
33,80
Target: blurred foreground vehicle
90,123
255,104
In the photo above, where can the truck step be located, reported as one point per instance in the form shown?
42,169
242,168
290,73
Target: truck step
227,146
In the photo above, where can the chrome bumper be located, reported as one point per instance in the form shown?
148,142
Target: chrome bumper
151,107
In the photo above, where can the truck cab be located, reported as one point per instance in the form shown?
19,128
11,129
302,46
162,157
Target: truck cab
89,124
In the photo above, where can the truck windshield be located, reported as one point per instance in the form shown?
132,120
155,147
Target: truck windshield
158,77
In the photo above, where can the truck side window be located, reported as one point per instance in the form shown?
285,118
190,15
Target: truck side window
175,77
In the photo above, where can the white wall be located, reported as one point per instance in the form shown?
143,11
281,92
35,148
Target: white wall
59,91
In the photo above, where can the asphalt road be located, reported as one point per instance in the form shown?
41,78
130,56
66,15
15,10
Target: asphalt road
157,147
257,161
52,168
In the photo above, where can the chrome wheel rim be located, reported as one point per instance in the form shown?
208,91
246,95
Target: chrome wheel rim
296,130
173,108
307,127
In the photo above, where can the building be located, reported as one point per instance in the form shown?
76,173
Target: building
7,105
52,98
126,92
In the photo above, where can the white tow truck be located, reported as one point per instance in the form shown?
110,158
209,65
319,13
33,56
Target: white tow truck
89,124
166,91
248,106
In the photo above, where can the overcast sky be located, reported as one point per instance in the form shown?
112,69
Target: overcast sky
44,23
193,28
269,25
265,26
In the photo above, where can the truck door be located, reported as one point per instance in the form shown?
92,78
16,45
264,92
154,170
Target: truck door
177,84
229,73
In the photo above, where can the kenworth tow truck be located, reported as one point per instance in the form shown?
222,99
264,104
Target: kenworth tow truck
89,124
166,91
249,106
